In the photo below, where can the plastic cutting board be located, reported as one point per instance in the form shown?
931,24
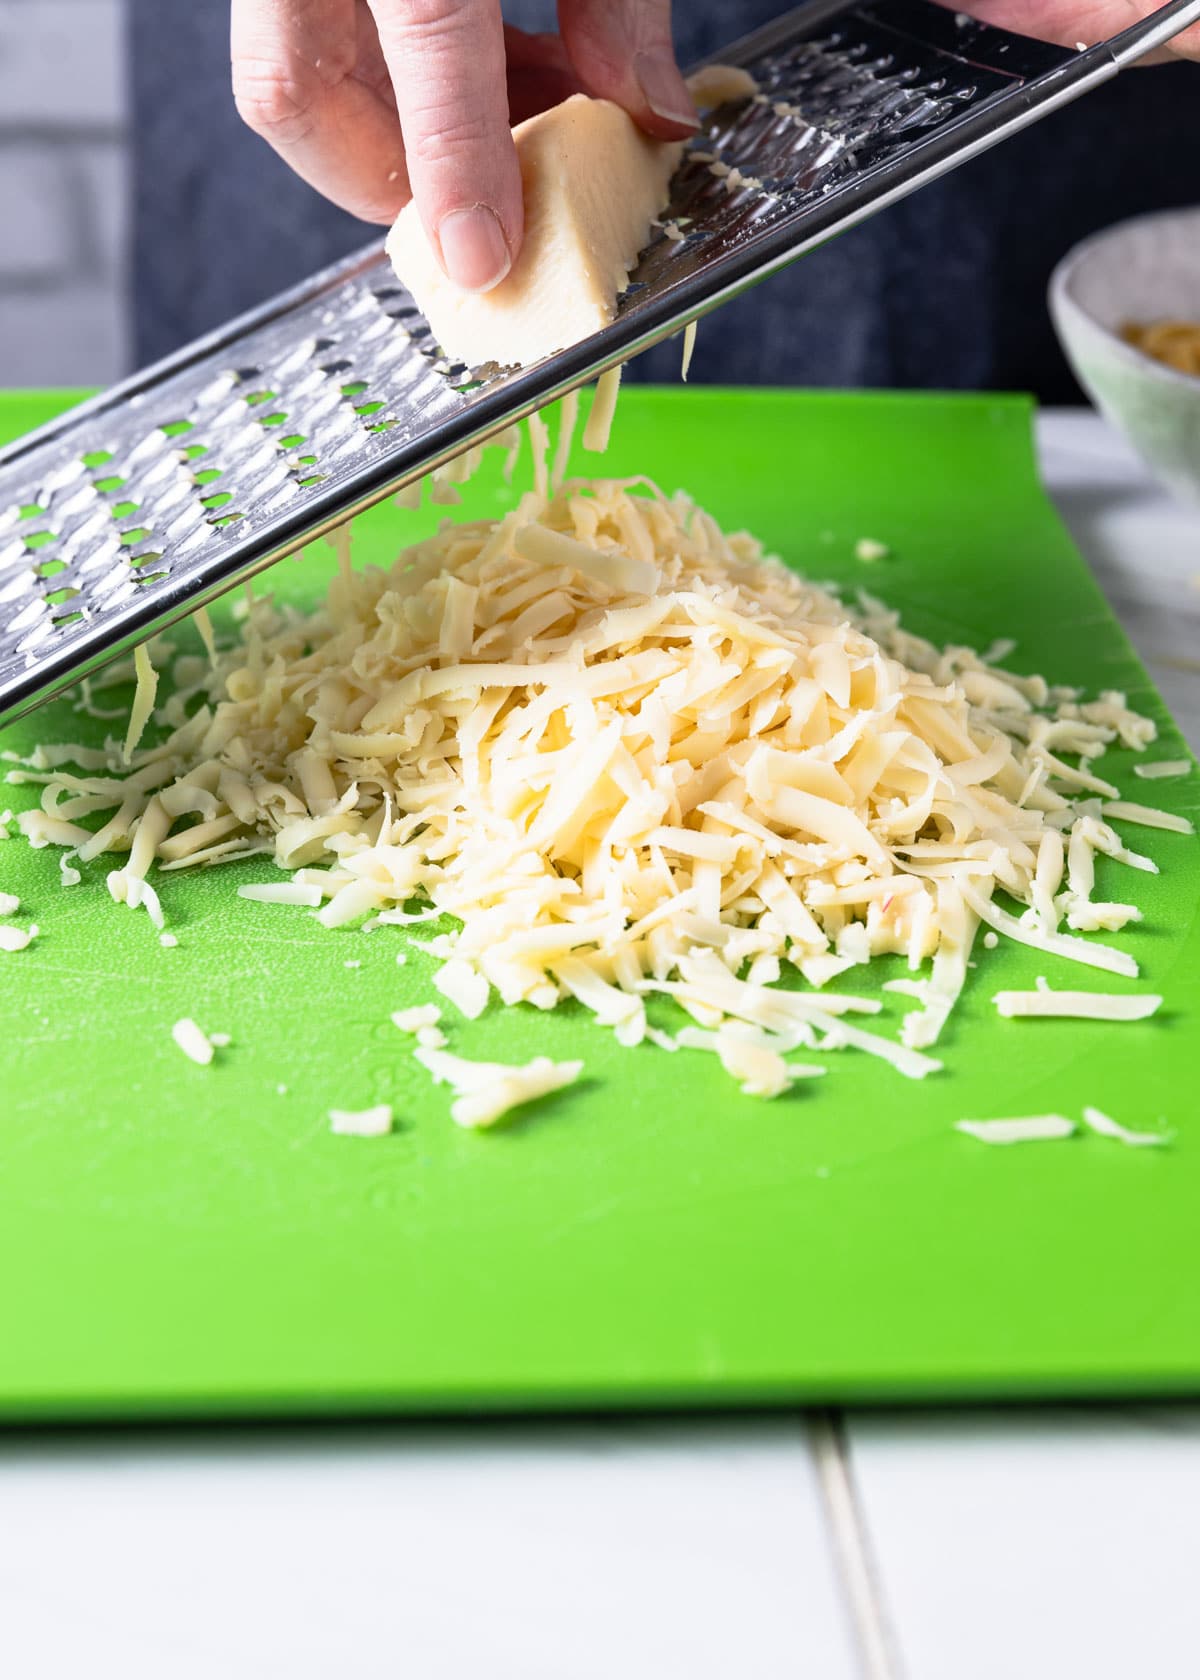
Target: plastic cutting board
180,1240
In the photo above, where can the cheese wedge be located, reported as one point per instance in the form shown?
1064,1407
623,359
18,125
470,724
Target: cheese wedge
593,185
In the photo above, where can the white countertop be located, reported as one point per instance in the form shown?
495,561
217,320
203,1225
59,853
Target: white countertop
928,1545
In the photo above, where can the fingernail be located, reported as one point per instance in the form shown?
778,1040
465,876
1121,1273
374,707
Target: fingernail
663,88
475,252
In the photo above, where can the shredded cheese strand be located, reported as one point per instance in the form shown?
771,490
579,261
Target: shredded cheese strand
603,411
1104,1126
143,700
689,349
1088,1006
1032,1128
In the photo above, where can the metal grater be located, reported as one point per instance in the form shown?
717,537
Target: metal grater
154,498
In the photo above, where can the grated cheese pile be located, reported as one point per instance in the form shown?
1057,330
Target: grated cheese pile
630,755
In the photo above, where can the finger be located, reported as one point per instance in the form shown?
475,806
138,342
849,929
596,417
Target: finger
621,50
446,59
309,78
1073,23
539,73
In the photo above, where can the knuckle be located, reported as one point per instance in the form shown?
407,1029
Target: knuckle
437,35
446,137
595,51
433,17
272,100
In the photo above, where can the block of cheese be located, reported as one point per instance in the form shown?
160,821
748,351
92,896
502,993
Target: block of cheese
593,184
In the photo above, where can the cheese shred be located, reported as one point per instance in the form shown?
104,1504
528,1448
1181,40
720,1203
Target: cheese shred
1104,1126
603,411
1032,1128
1163,767
143,700
689,350
1092,1006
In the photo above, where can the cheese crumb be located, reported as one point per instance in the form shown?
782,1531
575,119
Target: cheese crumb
192,1041
361,1122
17,939
9,904
420,1015
759,1070
867,548
168,941
720,84
465,987
486,1091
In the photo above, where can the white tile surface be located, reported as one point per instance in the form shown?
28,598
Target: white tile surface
64,155
38,236
1046,1545
100,172
61,64
622,1552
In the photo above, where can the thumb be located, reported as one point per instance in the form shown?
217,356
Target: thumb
621,50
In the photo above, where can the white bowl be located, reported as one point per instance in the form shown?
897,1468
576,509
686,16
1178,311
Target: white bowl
1143,270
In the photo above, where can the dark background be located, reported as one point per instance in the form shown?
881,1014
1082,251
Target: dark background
946,289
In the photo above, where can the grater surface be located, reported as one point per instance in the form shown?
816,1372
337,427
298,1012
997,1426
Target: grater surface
157,496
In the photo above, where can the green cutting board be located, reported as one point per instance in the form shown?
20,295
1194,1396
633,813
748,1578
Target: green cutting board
186,1240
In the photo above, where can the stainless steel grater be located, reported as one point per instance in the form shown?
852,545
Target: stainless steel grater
157,496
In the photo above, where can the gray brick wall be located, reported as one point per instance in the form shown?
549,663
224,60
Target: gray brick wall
63,192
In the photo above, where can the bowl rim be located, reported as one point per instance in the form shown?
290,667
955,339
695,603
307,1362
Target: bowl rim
1062,299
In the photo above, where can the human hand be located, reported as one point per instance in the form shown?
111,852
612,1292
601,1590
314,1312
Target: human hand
375,102
1069,22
